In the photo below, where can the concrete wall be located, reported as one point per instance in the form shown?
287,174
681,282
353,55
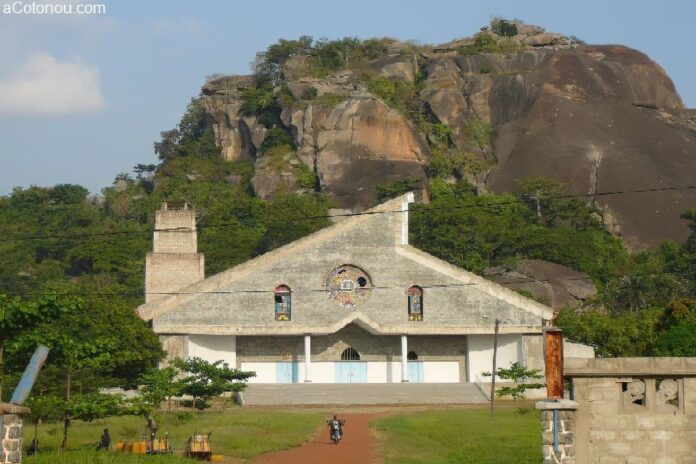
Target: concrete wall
240,301
377,372
443,357
634,410
213,348
577,350
480,354
175,346
175,262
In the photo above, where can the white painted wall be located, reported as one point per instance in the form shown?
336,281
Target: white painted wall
377,372
480,354
322,372
213,348
440,372
577,350
325,372
265,371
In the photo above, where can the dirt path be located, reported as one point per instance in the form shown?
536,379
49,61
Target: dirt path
357,446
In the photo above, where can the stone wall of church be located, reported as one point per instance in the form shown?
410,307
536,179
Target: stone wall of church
248,301
174,262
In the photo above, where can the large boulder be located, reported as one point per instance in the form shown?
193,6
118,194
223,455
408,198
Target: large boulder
552,284
364,144
223,103
597,118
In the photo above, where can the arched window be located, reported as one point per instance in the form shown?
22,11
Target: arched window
412,356
283,309
415,303
350,354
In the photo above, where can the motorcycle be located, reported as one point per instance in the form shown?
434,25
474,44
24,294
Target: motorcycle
336,434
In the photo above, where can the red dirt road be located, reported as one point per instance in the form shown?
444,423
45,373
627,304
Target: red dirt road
357,446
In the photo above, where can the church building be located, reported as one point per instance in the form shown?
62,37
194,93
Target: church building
351,303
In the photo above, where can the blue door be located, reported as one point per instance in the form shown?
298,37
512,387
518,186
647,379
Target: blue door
287,372
415,371
351,372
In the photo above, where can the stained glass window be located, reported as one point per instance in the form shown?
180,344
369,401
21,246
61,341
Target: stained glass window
415,303
283,310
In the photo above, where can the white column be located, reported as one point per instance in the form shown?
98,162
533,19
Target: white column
404,359
307,356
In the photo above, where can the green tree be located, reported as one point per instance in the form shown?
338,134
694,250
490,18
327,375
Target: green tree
627,334
204,380
158,385
86,352
19,319
679,340
522,380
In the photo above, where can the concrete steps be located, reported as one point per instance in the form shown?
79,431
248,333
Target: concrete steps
362,393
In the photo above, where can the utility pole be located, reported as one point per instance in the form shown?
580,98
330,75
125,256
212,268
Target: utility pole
495,354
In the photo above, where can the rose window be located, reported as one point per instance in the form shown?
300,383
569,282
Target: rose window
348,286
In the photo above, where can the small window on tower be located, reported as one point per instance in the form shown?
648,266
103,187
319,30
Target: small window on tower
415,303
283,310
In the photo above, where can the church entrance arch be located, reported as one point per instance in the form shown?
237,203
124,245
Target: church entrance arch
415,368
350,369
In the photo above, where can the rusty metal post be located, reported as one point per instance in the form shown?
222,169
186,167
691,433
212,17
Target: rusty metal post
553,362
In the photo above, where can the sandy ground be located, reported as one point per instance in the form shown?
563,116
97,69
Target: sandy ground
357,446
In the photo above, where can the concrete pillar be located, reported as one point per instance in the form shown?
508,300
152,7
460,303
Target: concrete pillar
307,356
558,430
404,358
11,433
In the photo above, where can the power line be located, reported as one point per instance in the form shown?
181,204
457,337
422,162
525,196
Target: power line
529,280
345,215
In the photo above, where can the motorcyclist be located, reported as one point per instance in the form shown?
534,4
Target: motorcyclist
336,424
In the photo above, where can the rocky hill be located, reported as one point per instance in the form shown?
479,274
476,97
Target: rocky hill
510,103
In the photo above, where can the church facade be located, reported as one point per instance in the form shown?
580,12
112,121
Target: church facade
351,303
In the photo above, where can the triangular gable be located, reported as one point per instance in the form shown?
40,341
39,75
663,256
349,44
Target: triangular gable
399,206
469,278
214,283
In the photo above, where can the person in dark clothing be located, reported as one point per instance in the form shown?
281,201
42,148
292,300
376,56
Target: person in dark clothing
105,441
33,448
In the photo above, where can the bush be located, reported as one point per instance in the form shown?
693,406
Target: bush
441,133
276,137
306,178
400,95
486,43
309,93
396,188
503,27
479,131
331,99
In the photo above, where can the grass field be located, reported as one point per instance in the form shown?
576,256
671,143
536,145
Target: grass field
239,432
461,436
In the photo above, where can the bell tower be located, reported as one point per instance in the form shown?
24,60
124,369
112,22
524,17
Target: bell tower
174,262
